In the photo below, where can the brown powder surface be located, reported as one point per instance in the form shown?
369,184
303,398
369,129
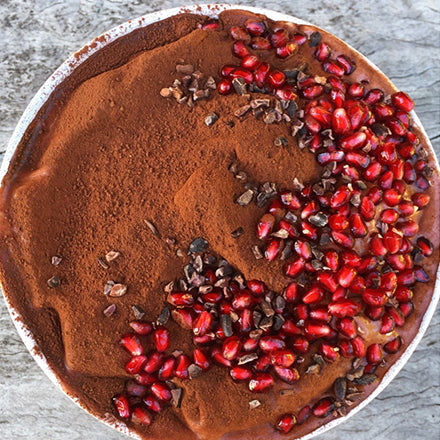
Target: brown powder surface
111,154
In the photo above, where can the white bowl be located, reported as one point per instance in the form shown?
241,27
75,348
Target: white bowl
62,73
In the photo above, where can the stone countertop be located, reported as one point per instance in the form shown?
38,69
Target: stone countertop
401,37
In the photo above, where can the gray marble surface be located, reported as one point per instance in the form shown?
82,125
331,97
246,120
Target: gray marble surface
401,37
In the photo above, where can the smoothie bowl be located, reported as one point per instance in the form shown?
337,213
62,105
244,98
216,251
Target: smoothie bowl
220,223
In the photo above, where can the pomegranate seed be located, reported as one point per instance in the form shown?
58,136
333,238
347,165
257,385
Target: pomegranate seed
377,246
331,260
283,358
152,403
356,90
420,199
392,241
313,91
279,38
402,101
271,343
275,79
334,68
294,268
421,275
342,239
425,246
314,295
287,93
239,34
358,227
255,27
340,121
256,287
290,200
250,344
322,51
397,316
373,171
403,294
291,293
231,348
132,344
286,50
265,226
406,277
322,115
389,216
374,354
203,324
260,43
374,96
346,275
209,25
121,405
183,317
346,349
263,362
374,297
154,362
315,330
348,65
181,299
141,328
226,70
239,49
161,391
323,408
329,352
140,415
358,347
225,87
288,375
391,197
388,282
387,324
347,327
162,339
408,228
344,308
144,378
135,364
240,373
183,362
242,301
382,111
303,415
212,297
250,62
300,345
285,423
393,346
340,197
243,73
338,222
406,309
218,357
273,249
320,314
261,382
167,370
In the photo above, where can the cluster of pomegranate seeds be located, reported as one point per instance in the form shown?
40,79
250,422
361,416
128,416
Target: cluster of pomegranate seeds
349,241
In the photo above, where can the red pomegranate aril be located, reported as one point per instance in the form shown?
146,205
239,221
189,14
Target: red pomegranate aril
250,62
388,282
402,101
260,43
358,227
382,111
340,197
141,328
203,323
286,423
291,293
342,239
152,403
276,209
374,313
226,70
286,50
140,415
314,295
348,65
290,200
181,371
144,378
322,51
420,199
261,382
392,197
240,373
425,246
256,287
406,277
354,141
300,345
295,267
329,352
279,38
316,330
420,274
286,93
265,226
351,259
406,309
273,248
340,121
320,314
209,25
393,346
322,115
403,294
392,241
303,415
346,349
397,316
250,345
181,299
132,344
135,364
358,345
408,228
338,222
239,49
313,91
239,34
242,300
219,358
338,98
387,324
231,348
331,260
275,79
162,339
377,246
374,354
161,391
255,27
346,327
372,172
271,343
243,73
373,96
288,375
374,297
312,124
356,90
389,216
301,311
122,406
323,408
283,358
154,362
263,362
167,370
225,87
344,308
346,275
334,68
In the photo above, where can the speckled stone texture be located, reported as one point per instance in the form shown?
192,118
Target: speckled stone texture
401,37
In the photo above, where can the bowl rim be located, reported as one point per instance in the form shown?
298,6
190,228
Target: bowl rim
61,73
